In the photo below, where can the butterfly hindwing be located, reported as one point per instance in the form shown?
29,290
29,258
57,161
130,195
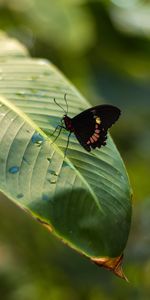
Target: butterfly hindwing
91,125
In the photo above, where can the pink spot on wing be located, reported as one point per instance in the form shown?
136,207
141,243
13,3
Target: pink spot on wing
91,139
97,131
97,135
94,137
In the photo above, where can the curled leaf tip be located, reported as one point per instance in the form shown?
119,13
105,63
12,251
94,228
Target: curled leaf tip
112,264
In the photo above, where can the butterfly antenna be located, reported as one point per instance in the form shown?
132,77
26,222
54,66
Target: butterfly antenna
66,102
59,105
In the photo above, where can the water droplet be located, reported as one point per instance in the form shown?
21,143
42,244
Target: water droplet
14,170
37,138
122,178
21,93
45,197
53,181
25,160
52,172
20,195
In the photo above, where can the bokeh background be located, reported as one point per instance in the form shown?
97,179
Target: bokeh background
103,47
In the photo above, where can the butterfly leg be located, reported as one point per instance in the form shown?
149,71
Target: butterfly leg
60,129
55,130
67,144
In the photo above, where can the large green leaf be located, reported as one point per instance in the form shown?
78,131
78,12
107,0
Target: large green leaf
85,198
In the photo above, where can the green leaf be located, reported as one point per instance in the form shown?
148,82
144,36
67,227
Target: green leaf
85,199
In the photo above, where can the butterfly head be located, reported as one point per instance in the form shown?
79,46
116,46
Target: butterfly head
68,122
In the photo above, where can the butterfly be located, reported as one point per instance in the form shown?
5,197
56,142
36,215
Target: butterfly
90,126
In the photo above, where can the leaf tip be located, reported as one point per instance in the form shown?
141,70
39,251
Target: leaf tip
112,264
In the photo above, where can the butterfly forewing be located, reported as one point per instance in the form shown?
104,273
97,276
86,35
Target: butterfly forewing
91,125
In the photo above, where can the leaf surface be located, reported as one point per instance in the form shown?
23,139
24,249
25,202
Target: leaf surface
85,198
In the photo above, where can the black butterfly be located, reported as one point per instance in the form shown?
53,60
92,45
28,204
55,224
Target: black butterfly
90,126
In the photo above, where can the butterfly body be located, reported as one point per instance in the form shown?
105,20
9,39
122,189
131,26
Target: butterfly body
68,123
90,126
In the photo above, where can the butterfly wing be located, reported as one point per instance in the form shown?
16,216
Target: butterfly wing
91,125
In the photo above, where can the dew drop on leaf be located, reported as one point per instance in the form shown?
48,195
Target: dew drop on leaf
21,93
45,197
53,181
37,138
25,160
20,196
52,172
14,170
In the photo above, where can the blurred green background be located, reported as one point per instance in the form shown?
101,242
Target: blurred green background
103,47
